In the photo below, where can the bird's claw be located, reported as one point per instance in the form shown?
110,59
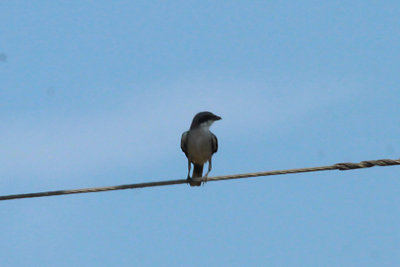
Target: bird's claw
205,179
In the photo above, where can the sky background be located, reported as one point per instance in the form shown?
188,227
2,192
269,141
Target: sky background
98,93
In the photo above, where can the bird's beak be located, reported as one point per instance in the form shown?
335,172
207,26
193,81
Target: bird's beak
217,118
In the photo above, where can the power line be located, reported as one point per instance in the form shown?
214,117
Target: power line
339,166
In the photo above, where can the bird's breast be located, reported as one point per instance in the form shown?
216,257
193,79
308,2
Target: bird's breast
199,146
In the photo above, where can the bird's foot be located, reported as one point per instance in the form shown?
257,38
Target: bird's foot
194,181
205,179
188,179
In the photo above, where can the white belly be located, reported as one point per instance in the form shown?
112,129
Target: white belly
199,146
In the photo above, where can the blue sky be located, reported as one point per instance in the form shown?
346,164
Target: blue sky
98,93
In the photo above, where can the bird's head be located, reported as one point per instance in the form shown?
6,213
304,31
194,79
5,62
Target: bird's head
204,119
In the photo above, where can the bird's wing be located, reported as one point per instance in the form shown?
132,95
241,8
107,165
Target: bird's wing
214,143
184,142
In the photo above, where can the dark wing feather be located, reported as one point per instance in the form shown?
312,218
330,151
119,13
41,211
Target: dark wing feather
214,143
184,143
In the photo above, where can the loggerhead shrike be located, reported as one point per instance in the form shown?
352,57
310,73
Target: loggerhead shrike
199,144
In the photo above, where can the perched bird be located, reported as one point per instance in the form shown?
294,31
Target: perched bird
199,144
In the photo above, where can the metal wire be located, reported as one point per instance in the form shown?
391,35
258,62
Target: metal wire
338,166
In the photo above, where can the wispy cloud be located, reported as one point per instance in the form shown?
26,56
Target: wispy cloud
147,125
3,57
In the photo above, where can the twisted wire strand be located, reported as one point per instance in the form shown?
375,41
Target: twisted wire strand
338,166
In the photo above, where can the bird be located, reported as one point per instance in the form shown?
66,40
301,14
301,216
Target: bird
199,144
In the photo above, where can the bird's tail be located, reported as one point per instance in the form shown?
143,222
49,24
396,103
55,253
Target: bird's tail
197,175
